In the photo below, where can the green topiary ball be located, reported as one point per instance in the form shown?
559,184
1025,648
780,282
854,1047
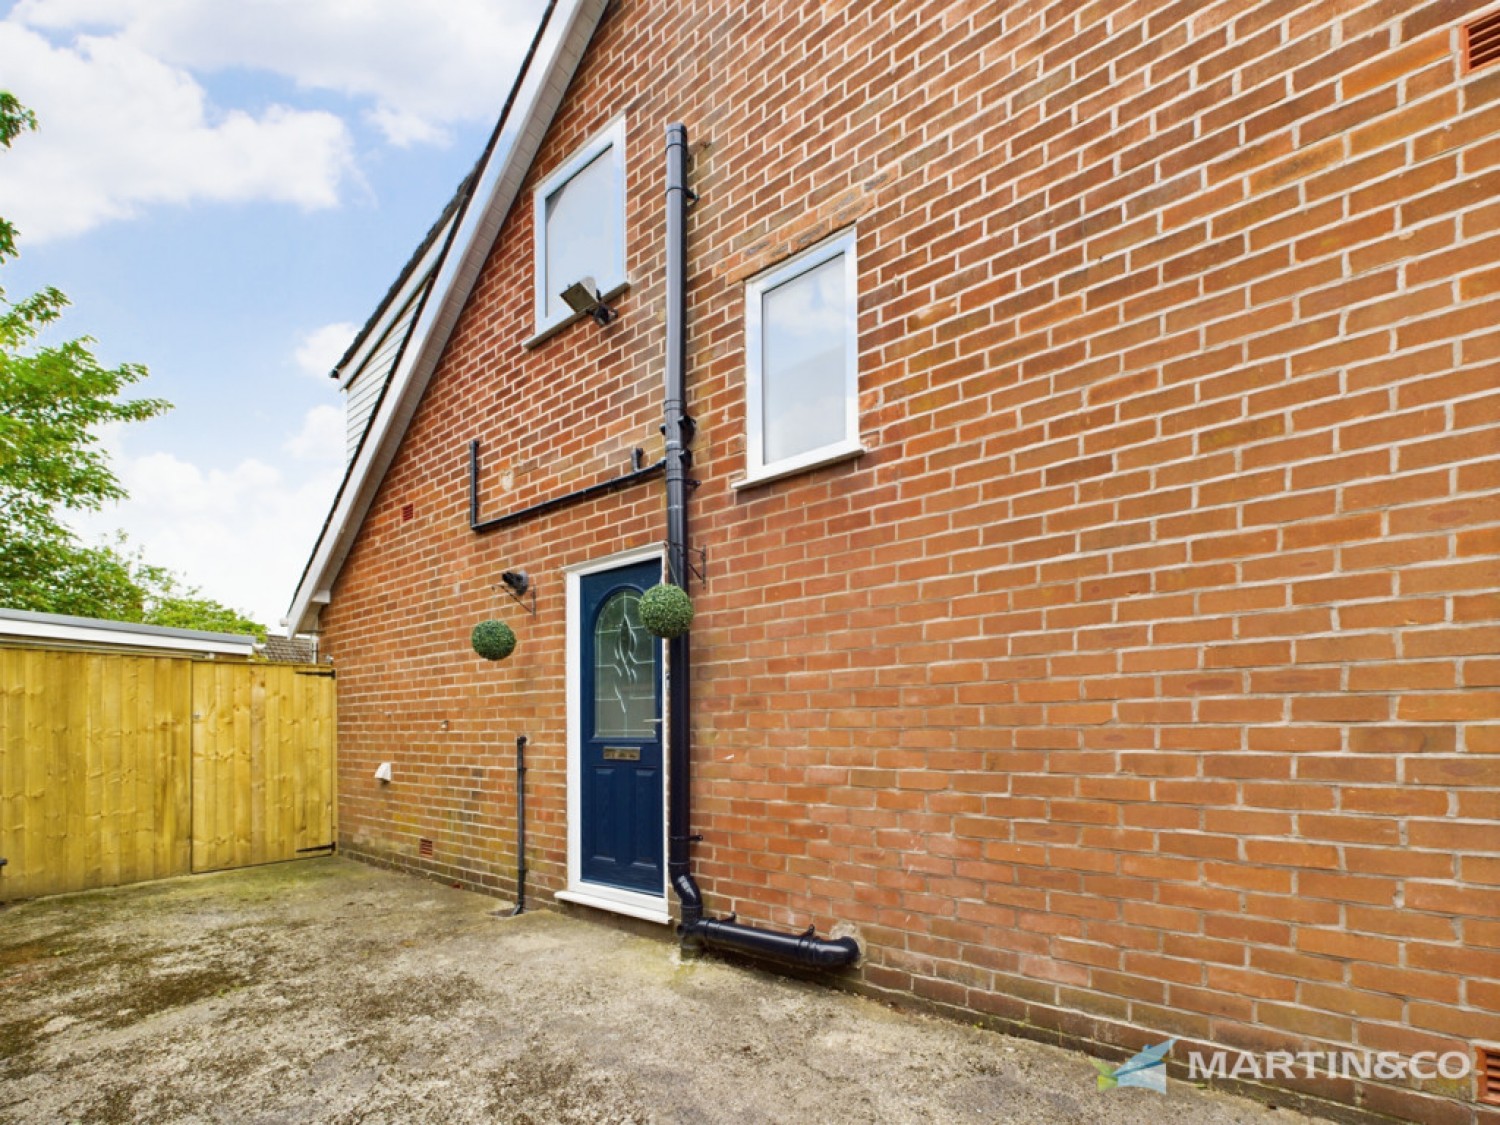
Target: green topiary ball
666,610
493,640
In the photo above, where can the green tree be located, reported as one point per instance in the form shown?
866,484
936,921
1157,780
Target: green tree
15,119
165,600
53,399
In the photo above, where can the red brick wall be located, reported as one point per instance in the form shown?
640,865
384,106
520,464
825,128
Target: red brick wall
1143,678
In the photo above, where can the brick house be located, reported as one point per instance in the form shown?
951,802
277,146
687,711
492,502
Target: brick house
1095,535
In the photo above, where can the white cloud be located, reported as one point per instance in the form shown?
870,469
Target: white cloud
127,122
120,129
241,534
406,129
422,66
322,436
321,348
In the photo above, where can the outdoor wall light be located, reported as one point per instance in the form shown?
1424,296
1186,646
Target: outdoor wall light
518,584
582,297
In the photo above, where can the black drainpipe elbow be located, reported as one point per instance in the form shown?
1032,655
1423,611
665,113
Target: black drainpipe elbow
688,896
800,949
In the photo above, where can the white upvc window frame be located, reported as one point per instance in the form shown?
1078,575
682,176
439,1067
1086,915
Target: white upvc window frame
611,136
757,469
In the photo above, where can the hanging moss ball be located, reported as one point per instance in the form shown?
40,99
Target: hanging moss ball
493,640
666,610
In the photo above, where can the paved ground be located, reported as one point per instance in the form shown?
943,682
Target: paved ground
330,991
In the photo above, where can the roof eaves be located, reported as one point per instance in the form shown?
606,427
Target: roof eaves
374,342
566,27
419,255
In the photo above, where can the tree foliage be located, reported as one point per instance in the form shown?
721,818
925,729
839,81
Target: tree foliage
58,575
15,119
165,600
53,400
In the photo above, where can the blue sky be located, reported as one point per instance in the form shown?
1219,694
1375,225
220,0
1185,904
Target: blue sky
224,188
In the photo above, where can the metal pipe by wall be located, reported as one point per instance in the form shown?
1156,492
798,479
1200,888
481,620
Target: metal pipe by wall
588,492
675,432
677,429
801,949
520,824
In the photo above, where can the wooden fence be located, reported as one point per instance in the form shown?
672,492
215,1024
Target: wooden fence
120,768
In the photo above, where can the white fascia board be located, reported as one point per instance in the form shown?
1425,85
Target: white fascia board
102,636
541,92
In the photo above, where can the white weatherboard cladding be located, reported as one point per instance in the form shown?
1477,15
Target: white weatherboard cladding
364,391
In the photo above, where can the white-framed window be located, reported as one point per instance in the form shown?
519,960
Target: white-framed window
580,225
802,361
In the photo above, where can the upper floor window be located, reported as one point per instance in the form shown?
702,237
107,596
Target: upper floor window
801,343
580,225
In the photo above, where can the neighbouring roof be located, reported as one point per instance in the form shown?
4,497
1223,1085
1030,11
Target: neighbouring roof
289,650
92,632
471,222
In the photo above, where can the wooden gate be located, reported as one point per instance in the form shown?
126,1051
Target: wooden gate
262,764
94,781
121,768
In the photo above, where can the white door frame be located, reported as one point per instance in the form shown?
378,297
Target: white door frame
653,908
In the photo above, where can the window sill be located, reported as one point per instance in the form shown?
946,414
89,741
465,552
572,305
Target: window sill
833,456
653,913
567,322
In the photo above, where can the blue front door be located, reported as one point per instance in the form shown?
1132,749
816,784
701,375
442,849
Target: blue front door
621,720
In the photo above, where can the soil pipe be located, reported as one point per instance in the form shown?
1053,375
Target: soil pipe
676,458
520,825
677,430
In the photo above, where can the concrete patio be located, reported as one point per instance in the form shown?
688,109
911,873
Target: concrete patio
326,990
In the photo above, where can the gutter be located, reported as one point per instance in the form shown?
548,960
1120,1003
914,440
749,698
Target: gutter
695,930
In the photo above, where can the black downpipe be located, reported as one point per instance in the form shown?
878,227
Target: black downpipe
677,430
520,825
